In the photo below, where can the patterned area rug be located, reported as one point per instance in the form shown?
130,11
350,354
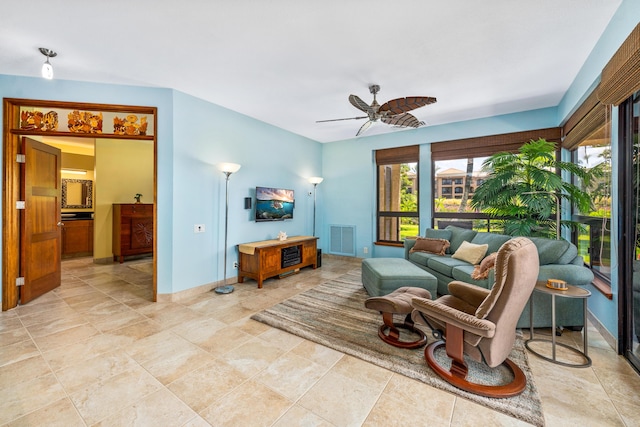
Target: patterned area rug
333,314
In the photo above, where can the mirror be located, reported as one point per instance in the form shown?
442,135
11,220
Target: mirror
77,193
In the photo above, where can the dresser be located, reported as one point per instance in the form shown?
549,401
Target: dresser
132,229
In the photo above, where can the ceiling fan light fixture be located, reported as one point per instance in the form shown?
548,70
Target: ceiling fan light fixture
47,68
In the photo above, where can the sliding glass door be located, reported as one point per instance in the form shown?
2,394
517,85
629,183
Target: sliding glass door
630,227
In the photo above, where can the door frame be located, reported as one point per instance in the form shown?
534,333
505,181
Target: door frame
11,134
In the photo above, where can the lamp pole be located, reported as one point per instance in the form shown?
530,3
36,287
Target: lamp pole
315,180
227,169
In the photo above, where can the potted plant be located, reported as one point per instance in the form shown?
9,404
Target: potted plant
524,191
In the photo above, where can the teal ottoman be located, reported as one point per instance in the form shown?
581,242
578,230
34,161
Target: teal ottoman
381,276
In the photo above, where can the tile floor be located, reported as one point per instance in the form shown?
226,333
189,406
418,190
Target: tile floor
96,351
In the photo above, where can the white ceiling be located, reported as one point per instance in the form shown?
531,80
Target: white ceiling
292,62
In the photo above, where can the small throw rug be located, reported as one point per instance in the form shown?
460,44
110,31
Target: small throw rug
333,314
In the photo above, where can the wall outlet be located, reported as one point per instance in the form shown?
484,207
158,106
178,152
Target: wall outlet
365,250
235,264
198,228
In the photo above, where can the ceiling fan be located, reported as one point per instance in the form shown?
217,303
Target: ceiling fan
392,112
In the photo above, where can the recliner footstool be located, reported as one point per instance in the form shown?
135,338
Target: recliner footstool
398,302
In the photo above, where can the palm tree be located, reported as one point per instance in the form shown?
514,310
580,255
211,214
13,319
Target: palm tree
521,189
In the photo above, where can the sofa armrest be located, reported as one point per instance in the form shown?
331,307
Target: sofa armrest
471,294
408,244
570,273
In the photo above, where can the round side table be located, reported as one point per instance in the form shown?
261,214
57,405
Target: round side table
570,292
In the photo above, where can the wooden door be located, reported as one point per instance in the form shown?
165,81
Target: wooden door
40,221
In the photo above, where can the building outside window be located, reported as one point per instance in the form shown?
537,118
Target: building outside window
397,182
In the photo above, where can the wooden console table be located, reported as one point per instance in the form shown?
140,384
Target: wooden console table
269,258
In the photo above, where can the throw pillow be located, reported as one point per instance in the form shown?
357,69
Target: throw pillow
481,271
470,252
433,246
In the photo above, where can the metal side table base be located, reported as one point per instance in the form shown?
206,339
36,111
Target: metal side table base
571,292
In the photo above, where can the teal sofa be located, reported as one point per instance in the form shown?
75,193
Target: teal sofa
558,259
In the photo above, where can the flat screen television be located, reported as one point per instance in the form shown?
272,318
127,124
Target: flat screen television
274,204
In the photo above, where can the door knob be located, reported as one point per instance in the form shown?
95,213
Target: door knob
60,224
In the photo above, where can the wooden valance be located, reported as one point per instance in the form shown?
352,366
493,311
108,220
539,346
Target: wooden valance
485,146
388,156
621,75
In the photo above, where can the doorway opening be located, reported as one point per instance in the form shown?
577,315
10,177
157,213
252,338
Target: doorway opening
19,122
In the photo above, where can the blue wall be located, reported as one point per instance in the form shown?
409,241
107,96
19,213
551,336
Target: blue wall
193,136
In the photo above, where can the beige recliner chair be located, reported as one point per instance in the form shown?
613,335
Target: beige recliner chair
482,322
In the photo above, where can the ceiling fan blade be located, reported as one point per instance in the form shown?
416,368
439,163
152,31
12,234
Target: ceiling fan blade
403,120
364,127
337,120
360,104
402,105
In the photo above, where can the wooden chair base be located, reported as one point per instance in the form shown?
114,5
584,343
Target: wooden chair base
389,333
457,375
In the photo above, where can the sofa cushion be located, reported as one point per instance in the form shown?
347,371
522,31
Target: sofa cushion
554,251
463,273
470,252
421,258
444,264
438,234
459,235
434,246
493,240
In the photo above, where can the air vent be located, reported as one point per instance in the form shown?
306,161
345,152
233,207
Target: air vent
342,240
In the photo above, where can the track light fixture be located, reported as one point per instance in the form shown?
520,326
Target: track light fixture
47,68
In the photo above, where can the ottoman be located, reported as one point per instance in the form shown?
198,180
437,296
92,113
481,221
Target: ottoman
398,301
381,276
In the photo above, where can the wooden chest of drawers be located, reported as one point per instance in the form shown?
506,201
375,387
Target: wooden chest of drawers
132,229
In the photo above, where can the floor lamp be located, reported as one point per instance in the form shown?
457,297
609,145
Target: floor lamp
227,169
315,180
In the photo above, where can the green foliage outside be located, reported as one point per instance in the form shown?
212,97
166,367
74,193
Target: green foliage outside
521,189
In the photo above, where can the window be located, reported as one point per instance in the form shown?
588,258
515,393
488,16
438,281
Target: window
460,162
587,135
397,181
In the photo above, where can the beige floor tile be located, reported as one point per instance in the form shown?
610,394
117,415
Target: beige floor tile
281,339
27,396
198,330
365,372
225,340
96,369
99,400
14,335
57,325
66,337
415,395
297,416
291,375
252,356
23,370
60,413
18,351
341,400
317,353
169,367
200,388
160,408
250,404
467,414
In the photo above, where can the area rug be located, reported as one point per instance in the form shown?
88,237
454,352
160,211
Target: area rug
333,314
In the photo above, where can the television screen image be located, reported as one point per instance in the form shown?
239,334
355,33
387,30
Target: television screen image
274,204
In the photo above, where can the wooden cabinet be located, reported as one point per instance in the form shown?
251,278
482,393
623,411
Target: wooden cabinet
269,258
132,229
77,238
